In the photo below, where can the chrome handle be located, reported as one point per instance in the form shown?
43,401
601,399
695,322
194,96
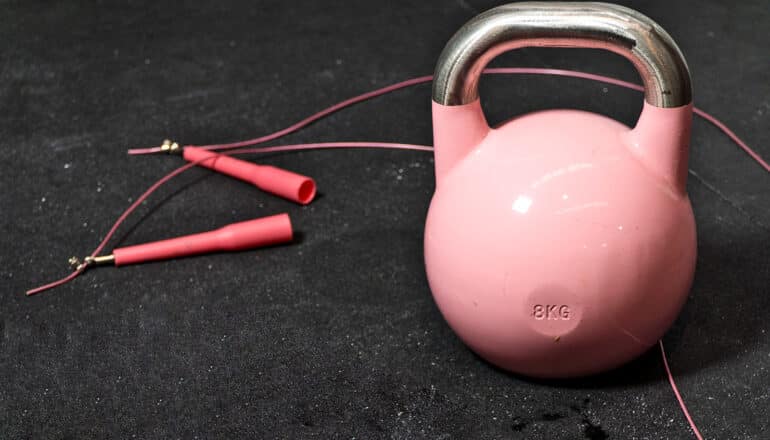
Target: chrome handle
652,51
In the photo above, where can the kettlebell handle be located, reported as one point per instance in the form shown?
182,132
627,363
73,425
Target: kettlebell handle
615,28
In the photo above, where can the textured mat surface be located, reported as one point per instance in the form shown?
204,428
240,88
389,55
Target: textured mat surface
336,336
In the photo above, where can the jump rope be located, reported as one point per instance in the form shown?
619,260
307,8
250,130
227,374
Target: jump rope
301,189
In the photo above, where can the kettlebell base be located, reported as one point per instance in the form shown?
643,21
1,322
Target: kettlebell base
554,251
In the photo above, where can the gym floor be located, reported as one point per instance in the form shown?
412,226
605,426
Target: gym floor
335,336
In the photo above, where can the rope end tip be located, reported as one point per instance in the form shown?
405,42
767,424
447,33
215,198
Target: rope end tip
168,147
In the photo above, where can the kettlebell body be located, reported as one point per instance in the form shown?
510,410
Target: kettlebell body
561,243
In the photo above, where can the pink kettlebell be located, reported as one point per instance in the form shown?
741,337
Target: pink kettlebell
561,243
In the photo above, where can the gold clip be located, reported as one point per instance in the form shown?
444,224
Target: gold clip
170,147
77,264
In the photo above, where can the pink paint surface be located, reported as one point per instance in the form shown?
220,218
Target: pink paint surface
561,243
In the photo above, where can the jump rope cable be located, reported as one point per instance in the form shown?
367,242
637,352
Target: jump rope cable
236,148
426,79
